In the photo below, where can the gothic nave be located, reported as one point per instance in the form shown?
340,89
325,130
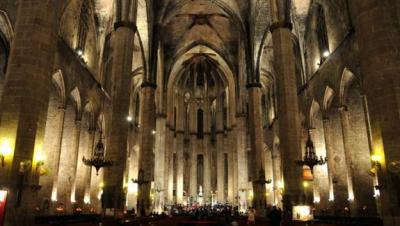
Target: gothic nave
112,105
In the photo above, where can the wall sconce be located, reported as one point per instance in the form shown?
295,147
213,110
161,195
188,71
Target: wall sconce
376,164
39,162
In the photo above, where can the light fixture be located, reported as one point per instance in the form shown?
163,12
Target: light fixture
326,53
140,180
153,132
39,160
306,184
5,150
79,52
129,118
98,160
310,158
376,160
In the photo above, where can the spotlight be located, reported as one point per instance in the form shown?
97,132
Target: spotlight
129,118
153,132
326,53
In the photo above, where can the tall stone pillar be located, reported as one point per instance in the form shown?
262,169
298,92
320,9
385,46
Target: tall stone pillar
169,162
232,173
159,161
243,178
277,176
24,104
358,164
74,158
207,169
193,167
87,178
220,150
378,36
288,112
66,171
146,145
122,40
337,166
52,149
257,144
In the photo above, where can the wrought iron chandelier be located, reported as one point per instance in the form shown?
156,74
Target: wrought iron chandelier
261,178
140,180
98,160
310,158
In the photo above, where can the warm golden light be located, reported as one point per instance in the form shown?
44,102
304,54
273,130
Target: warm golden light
5,148
376,158
306,184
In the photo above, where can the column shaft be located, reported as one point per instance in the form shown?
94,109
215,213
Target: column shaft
288,113
256,140
193,168
337,168
242,163
146,158
122,41
24,102
379,43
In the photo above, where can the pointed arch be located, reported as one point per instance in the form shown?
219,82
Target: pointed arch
6,27
76,97
328,98
58,81
348,78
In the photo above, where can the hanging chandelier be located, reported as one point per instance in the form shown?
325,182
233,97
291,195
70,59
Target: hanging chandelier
98,160
310,158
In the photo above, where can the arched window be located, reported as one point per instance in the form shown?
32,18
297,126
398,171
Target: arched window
322,34
83,26
200,124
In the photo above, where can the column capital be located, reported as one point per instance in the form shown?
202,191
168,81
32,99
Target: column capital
126,24
280,24
149,84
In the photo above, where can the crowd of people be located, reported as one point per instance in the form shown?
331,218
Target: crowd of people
227,212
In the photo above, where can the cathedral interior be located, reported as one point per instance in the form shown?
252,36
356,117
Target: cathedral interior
113,105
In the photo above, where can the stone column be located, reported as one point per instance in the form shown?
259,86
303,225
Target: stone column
87,178
146,145
74,158
24,103
159,161
170,154
232,176
66,171
180,116
52,149
277,176
122,40
193,168
358,162
288,112
207,168
257,144
378,36
220,150
242,162
337,168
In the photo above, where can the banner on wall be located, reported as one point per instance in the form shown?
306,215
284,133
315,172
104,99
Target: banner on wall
3,203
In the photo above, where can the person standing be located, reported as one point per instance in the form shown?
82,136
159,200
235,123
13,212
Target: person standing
251,216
